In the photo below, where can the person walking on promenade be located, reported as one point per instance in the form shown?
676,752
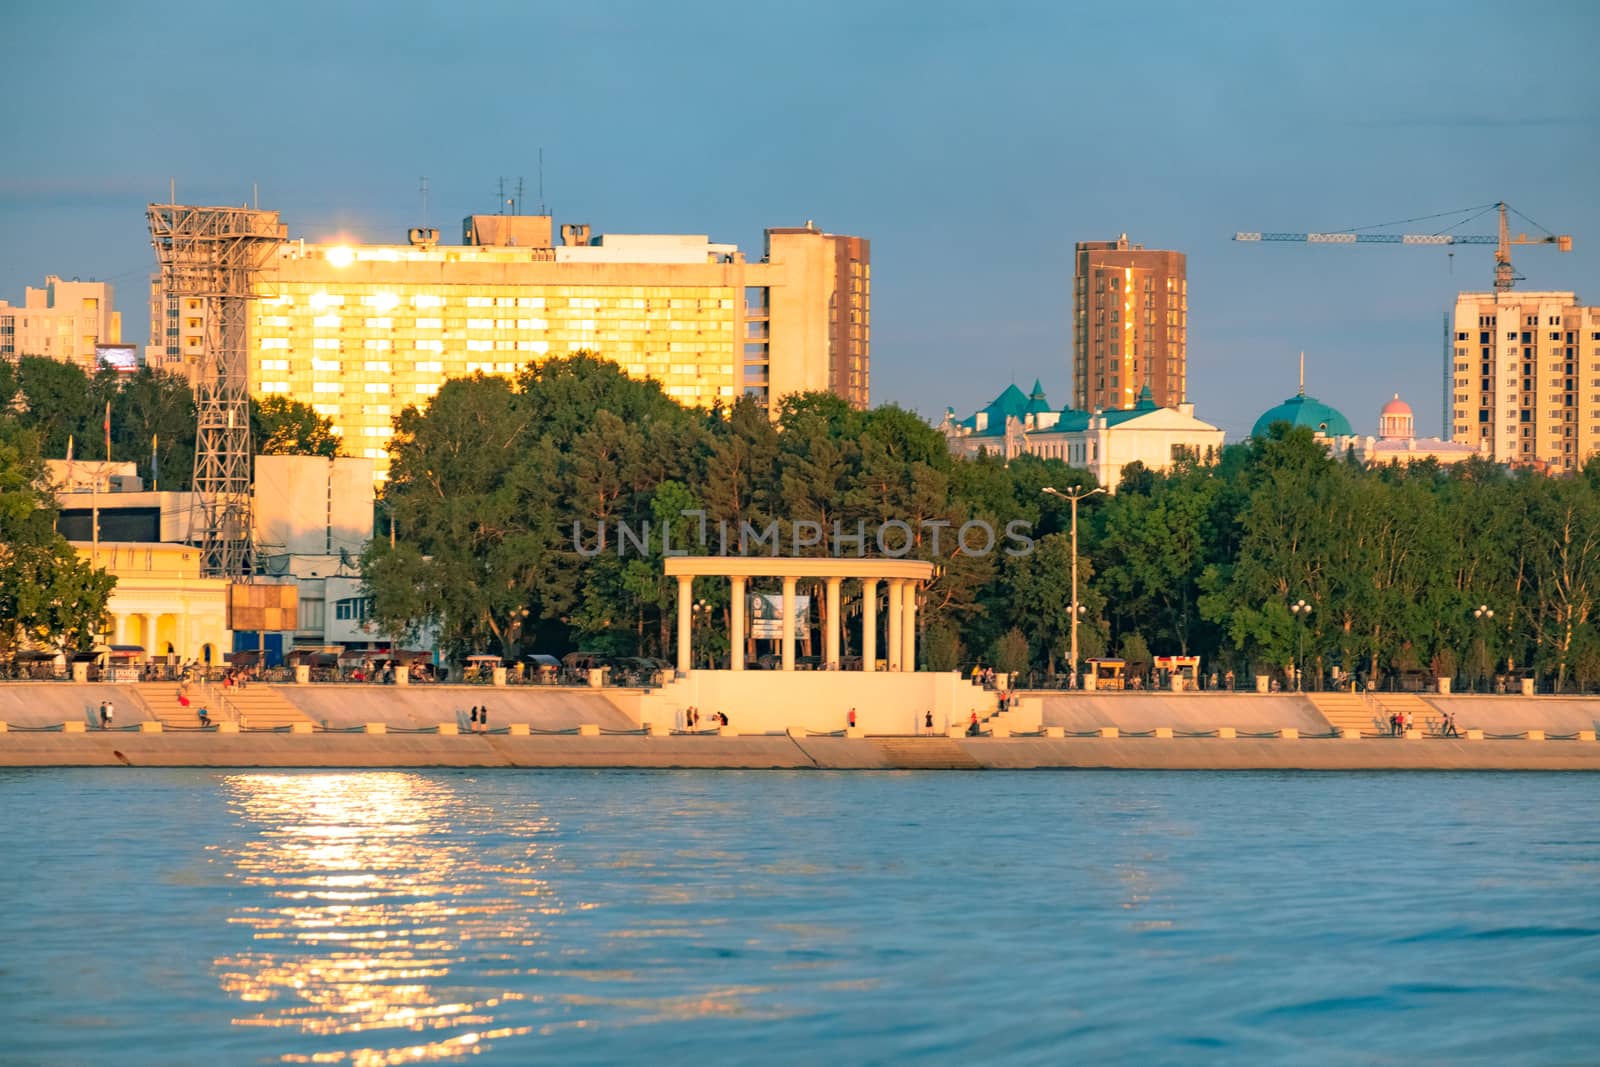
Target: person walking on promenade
850,719
1449,725
105,715
483,718
472,717
927,720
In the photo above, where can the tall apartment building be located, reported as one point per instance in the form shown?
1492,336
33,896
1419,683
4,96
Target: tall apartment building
1526,371
1130,325
362,331
64,320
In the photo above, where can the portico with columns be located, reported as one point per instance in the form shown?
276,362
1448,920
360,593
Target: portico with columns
901,576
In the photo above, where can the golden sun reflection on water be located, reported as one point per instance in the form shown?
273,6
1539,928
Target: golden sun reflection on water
377,901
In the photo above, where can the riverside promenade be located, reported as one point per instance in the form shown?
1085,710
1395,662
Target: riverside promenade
330,725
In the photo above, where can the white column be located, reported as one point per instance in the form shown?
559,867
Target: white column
685,607
896,602
908,627
830,654
150,636
119,629
736,655
788,624
869,623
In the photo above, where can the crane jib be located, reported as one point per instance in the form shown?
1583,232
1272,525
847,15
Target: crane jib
1368,238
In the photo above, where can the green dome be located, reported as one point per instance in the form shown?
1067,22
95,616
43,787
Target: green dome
1305,411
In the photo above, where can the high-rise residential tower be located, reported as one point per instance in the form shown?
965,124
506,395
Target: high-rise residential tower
360,332
1527,377
1130,325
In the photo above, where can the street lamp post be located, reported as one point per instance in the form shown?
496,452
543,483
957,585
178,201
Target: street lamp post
1077,609
1483,613
702,614
1302,613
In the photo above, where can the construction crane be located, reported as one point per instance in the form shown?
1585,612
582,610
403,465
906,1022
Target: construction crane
1504,277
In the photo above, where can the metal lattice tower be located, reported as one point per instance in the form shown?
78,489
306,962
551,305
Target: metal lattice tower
214,254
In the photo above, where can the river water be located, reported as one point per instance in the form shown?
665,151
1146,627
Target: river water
367,918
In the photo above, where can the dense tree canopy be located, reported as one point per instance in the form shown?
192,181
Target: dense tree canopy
488,483
152,418
49,597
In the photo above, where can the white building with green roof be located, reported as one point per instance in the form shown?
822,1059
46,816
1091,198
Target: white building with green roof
1102,442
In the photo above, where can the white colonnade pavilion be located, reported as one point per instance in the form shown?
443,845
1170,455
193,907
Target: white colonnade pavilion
901,576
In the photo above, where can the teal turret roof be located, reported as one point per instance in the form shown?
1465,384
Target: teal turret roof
1037,404
1009,404
1306,411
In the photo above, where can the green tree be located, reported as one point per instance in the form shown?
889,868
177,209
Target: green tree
1011,652
49,596
284,427
941,647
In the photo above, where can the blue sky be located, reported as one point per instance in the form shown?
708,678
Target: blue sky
972,143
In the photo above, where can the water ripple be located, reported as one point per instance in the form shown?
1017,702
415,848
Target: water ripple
378,918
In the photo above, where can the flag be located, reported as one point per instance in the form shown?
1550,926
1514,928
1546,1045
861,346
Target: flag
108,431
69,448
155,471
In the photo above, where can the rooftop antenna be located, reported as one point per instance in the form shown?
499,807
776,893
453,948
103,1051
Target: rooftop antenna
423,182
502,196
542,209
255,196
519,197
1302,372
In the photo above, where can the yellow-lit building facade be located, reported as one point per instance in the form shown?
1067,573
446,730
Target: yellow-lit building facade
1525,378
361,332
161,603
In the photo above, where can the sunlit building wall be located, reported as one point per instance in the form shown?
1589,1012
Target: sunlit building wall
360,332
1526,377
1130,325
64,321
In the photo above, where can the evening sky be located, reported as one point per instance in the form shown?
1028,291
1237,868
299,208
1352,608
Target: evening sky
972,143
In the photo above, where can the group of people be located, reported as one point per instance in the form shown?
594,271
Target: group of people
478,717
691,718
1401,721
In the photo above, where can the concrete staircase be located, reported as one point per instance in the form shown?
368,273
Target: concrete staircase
924,753
162,700
258,707
1345,710
261,707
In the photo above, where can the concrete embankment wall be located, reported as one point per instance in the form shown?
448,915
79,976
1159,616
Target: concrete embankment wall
1184,712
417,707
1513,715
1257,713
342,706
194,749
51,703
